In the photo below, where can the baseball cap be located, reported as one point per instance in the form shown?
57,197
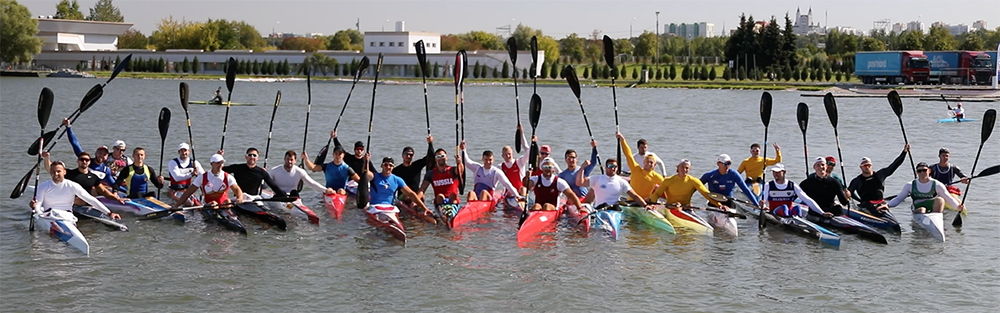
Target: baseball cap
819,160
545,148
119,143
548,160
723,158
778,168
831,160
103,147
216,158
684,161
388,160
359,144
922,164
866,160
407,149
183,146
338,149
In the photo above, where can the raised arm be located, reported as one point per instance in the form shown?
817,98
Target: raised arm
77,149
309,163
630,160
583,179
587,169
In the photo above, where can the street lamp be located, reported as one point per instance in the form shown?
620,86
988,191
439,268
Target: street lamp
630,28
273,33
657,38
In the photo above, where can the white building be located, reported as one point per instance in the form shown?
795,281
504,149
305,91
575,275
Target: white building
76,35
898,28
980,24
956,30
804,24
690,31
401,41
848,30
916,26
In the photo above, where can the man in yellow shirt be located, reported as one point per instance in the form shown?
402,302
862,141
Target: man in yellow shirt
644,178
679,188
753,166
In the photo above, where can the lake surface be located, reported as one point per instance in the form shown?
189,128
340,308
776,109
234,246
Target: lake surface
347,265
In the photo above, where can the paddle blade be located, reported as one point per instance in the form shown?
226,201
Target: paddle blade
517,141
231,66
574,82
459,72
421,55
512,50
321,156
765,108
609,53
831,108
22,185
184,92
363,189
718,197
533,155
164,123
989,118
36,146
533,45
992,170
802,115
534,110
896,103
91,97
362,68
44,106
119,67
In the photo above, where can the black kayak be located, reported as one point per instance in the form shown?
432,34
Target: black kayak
261,213
94,214
849,225
225,218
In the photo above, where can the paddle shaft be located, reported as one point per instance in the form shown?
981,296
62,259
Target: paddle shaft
305,133
585,122
517,109
614,98
267,147
187,116
913,166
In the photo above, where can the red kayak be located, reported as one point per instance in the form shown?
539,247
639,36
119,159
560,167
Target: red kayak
335,204
579,219
537,223
386,217
473,211
296,208
410,208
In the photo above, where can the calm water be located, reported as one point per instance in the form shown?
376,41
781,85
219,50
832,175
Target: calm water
348,266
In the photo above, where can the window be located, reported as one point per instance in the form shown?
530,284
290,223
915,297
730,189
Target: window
434,45
391,44
400,43
381,44
373,44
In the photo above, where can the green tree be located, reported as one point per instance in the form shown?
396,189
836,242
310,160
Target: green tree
910,40
872,44
161,65
132,39
621,72
939,39
787,73
17,33
524,73
635,73
646,45
504,71
496,73
255,68
67,10
686,73
586,72
659,74
339,41
544,73
105,11
726,73
436,68
475,70
673,71
742,73
607,72
711,73
573,47
554,70
972,42
185,65
195,65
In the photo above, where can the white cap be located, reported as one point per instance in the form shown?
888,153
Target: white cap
866,160
723,158
684,161
119,143
183,146
819,160
548,160
778,168
216,158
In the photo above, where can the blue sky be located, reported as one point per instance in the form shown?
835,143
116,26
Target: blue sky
556,18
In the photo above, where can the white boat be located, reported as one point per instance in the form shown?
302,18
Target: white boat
932,222
62,225
723,222
296,208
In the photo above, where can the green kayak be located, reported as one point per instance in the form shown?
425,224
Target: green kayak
651,218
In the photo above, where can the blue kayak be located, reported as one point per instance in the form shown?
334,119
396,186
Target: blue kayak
956,120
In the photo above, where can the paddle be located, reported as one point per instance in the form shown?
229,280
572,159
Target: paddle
533,45
362,67
363,186
574,84
831,111
165,213
512,51
164,125
989,118
728,213
230,82
802,115
609,58
422,59
897,107
534,112
45,100
184,92
946,102
267,147
459,75
46,138
765,118
992,170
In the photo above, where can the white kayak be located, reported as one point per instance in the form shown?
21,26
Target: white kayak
723,222
62,225
932,223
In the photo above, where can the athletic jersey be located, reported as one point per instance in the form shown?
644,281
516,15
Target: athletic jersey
607,190
777,195
490,177
444,183
384,188
945,174
642,181
753,167
924,192
570,175
117,165
514,174
411,174
250,179
872,188
289,180
61,196
832,175
215,187
825,191
87,181
100,169
547,192
680,188
642,158
337,175
136,183
181,172
725,183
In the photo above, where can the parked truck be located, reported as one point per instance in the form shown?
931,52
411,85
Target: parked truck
960,67
891,67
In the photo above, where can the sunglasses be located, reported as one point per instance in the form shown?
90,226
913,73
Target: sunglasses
387,164
611,166
83,159
252,155
866,165
547,167
726,163
543,153
408,154
831,164
921,170
440,156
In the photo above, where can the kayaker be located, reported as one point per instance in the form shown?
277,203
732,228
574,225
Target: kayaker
753,167
384,187
945,172
249,175
958,112
97,163
355,161
642,146
779,196
869,187
182,169
445,179
410,169
288,176
487,176
571,171
723,180
544,151
831,165
606,189
118,160
679,188
644,178
548,186
515,168
336,172
929,194
61,193
135,179
214,185
825,190
217,99
87,180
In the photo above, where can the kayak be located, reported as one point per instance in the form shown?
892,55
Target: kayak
224,217
538,222
411,209
473,211
578,219
512,206
94,214
887,221
956,120
139,207
257,210
849,225
351,188
295,208
387,218
335,204
685,218
651,218
932,223
447,212
797,225
610,221
157,206
723,222
62,225
215,103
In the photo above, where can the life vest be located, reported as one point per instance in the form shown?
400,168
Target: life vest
778,197
513,174
218,196
919,197
547,194
135,183
445,183
181,184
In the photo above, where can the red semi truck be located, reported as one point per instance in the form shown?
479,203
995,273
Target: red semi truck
960,67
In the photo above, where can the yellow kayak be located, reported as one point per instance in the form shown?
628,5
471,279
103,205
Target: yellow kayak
686,219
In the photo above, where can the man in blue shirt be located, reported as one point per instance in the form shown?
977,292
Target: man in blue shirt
723,181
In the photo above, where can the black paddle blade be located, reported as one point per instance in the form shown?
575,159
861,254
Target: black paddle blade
459,72
45,106
321,157
533,155
512,50
91,97
802,115
896,103
517,141
533,45
992,170
36,146
765,108
184,92
989,118
609,54
22,185
421,55
574,82
164,123
534,110
362,68
831,108
119,67
231,74
363,190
